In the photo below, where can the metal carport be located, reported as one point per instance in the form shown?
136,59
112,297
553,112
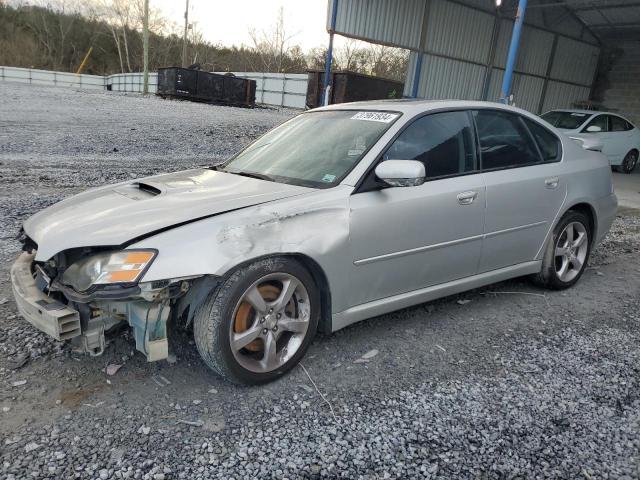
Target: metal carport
459,47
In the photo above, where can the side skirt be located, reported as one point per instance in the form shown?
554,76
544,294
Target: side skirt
415,297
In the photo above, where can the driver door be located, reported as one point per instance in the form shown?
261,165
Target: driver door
408,238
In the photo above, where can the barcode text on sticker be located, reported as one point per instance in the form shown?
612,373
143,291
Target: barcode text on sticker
384,117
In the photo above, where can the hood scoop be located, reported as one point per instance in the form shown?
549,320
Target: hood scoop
148,188
139,190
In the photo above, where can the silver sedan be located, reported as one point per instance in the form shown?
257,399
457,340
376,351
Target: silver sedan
340,214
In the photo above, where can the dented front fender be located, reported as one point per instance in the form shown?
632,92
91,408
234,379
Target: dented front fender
316,226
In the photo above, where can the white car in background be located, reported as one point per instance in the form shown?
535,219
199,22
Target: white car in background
620,138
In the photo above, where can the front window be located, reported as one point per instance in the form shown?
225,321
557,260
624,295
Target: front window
443,142
600,121
566,120
315,149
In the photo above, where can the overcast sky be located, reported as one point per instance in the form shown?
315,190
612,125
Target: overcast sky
228,21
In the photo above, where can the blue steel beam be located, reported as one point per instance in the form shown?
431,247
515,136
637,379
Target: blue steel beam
416,75
329,59
513,52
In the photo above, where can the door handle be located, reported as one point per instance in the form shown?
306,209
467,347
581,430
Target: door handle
552,182
467,198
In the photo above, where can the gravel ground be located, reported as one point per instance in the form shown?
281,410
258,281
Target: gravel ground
506,381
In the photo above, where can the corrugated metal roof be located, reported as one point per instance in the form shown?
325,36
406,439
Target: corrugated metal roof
534,51
526,89
389,22
443,78
621,15
563,95
575,61
608,19
456,31
458,42
562,20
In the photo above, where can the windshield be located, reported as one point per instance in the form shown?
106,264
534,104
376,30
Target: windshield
315,149
566,120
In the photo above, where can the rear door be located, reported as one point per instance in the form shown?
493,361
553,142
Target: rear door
622,138
407,238
525,186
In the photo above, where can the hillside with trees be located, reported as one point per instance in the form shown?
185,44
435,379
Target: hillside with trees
58,34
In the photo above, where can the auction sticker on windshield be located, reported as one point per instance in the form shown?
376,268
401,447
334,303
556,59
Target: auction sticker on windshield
384,117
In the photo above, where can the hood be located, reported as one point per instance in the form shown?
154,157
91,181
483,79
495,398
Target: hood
113,215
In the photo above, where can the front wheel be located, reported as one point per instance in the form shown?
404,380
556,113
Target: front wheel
567,252
630,161
259,322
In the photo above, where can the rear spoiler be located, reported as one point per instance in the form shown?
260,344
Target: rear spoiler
589,143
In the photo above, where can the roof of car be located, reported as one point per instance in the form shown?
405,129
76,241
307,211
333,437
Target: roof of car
414,106
587,112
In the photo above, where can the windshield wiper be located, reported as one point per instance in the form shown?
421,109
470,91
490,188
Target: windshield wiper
259,176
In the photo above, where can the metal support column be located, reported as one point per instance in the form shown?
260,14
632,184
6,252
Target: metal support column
547,75
416,75
145,48
329,59
505,92
415,90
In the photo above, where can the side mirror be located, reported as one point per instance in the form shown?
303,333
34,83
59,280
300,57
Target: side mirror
594,129
401,173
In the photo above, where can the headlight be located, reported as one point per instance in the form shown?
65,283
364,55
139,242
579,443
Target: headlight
126,266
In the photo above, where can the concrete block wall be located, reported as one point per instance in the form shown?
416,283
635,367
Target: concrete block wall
619,87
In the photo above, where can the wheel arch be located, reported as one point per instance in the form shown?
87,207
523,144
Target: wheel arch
589,211
316,271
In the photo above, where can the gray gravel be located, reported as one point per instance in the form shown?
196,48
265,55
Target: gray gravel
59,141
486,384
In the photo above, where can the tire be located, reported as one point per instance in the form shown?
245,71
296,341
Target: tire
551,275
229,317
629,163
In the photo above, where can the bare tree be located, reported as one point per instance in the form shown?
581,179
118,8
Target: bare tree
272,45
123,10
346,56
107,11
51,30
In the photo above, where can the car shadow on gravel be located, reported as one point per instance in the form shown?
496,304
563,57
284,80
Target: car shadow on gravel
441,340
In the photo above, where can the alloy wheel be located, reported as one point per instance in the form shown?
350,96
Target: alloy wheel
270,322
571,251
629,162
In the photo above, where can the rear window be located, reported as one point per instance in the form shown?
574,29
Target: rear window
566,120
619,124
548,143
504,140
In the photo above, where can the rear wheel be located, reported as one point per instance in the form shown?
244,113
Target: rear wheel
567,252
259,323
630,161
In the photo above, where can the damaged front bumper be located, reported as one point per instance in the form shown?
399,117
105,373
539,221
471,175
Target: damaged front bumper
50,316
84,318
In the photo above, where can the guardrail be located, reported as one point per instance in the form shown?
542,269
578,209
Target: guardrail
280,89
